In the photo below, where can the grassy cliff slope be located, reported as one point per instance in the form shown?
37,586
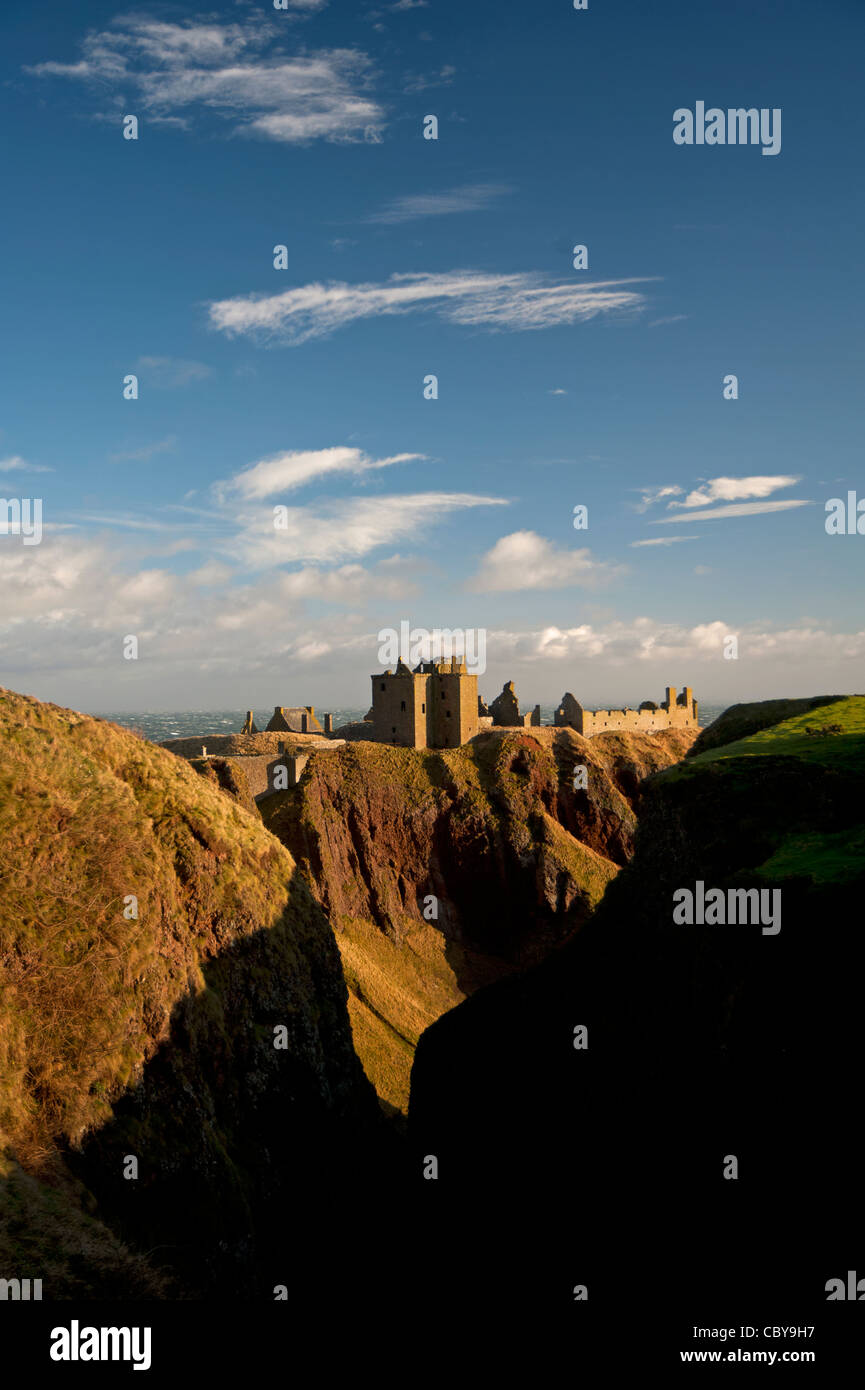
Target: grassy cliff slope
153,935
442,871
701,1041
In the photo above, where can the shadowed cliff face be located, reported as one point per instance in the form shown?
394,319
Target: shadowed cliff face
703,1042
444,870
153,936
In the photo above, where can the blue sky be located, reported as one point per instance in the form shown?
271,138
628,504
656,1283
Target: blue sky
261,387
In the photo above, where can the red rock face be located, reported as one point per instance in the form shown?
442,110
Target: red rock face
495,831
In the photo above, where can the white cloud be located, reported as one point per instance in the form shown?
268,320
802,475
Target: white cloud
733,489
210,575
517,301
294,468
664,540
557,391
419,82
671,318
651,495
469,198
234,71
343,530
167,373
15,464
68,603
643,640
737,509
145,452
525,560
353,585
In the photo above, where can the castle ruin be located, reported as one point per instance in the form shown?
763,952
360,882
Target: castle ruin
436,705
676,712
433,706
294,719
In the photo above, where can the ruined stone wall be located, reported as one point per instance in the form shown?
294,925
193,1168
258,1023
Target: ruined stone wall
264,770
674,713
645,721
505,708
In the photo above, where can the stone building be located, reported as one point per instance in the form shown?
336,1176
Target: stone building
294,719
433,706
675,713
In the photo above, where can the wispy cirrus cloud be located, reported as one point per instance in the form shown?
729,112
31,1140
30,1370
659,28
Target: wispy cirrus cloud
238,72
344,529
663,540
735,509
145,451
525,560
735,489
509,301
473,197
296,467
16,464
651,495
168,373
419,82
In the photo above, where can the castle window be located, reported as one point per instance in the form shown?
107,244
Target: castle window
393,730
449,714
423,709
444,696
382,685
402,705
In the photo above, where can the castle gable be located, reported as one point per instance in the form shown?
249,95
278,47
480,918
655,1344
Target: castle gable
294,719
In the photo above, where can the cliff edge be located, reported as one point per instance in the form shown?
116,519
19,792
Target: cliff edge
176,1061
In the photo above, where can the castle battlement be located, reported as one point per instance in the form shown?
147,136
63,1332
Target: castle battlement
675,712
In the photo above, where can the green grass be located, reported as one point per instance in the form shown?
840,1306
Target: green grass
824,858
844,751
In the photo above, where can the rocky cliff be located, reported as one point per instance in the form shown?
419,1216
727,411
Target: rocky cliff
702,1044
441,871
156,942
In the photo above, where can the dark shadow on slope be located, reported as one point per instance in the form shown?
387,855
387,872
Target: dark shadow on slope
605,1166
251,1159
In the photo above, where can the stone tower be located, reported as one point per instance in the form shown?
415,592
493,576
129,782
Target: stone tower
433,706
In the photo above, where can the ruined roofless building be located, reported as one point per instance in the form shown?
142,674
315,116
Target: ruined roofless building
433,706
504,711
294,719
674,713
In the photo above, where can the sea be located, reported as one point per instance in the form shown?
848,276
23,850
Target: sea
189,723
